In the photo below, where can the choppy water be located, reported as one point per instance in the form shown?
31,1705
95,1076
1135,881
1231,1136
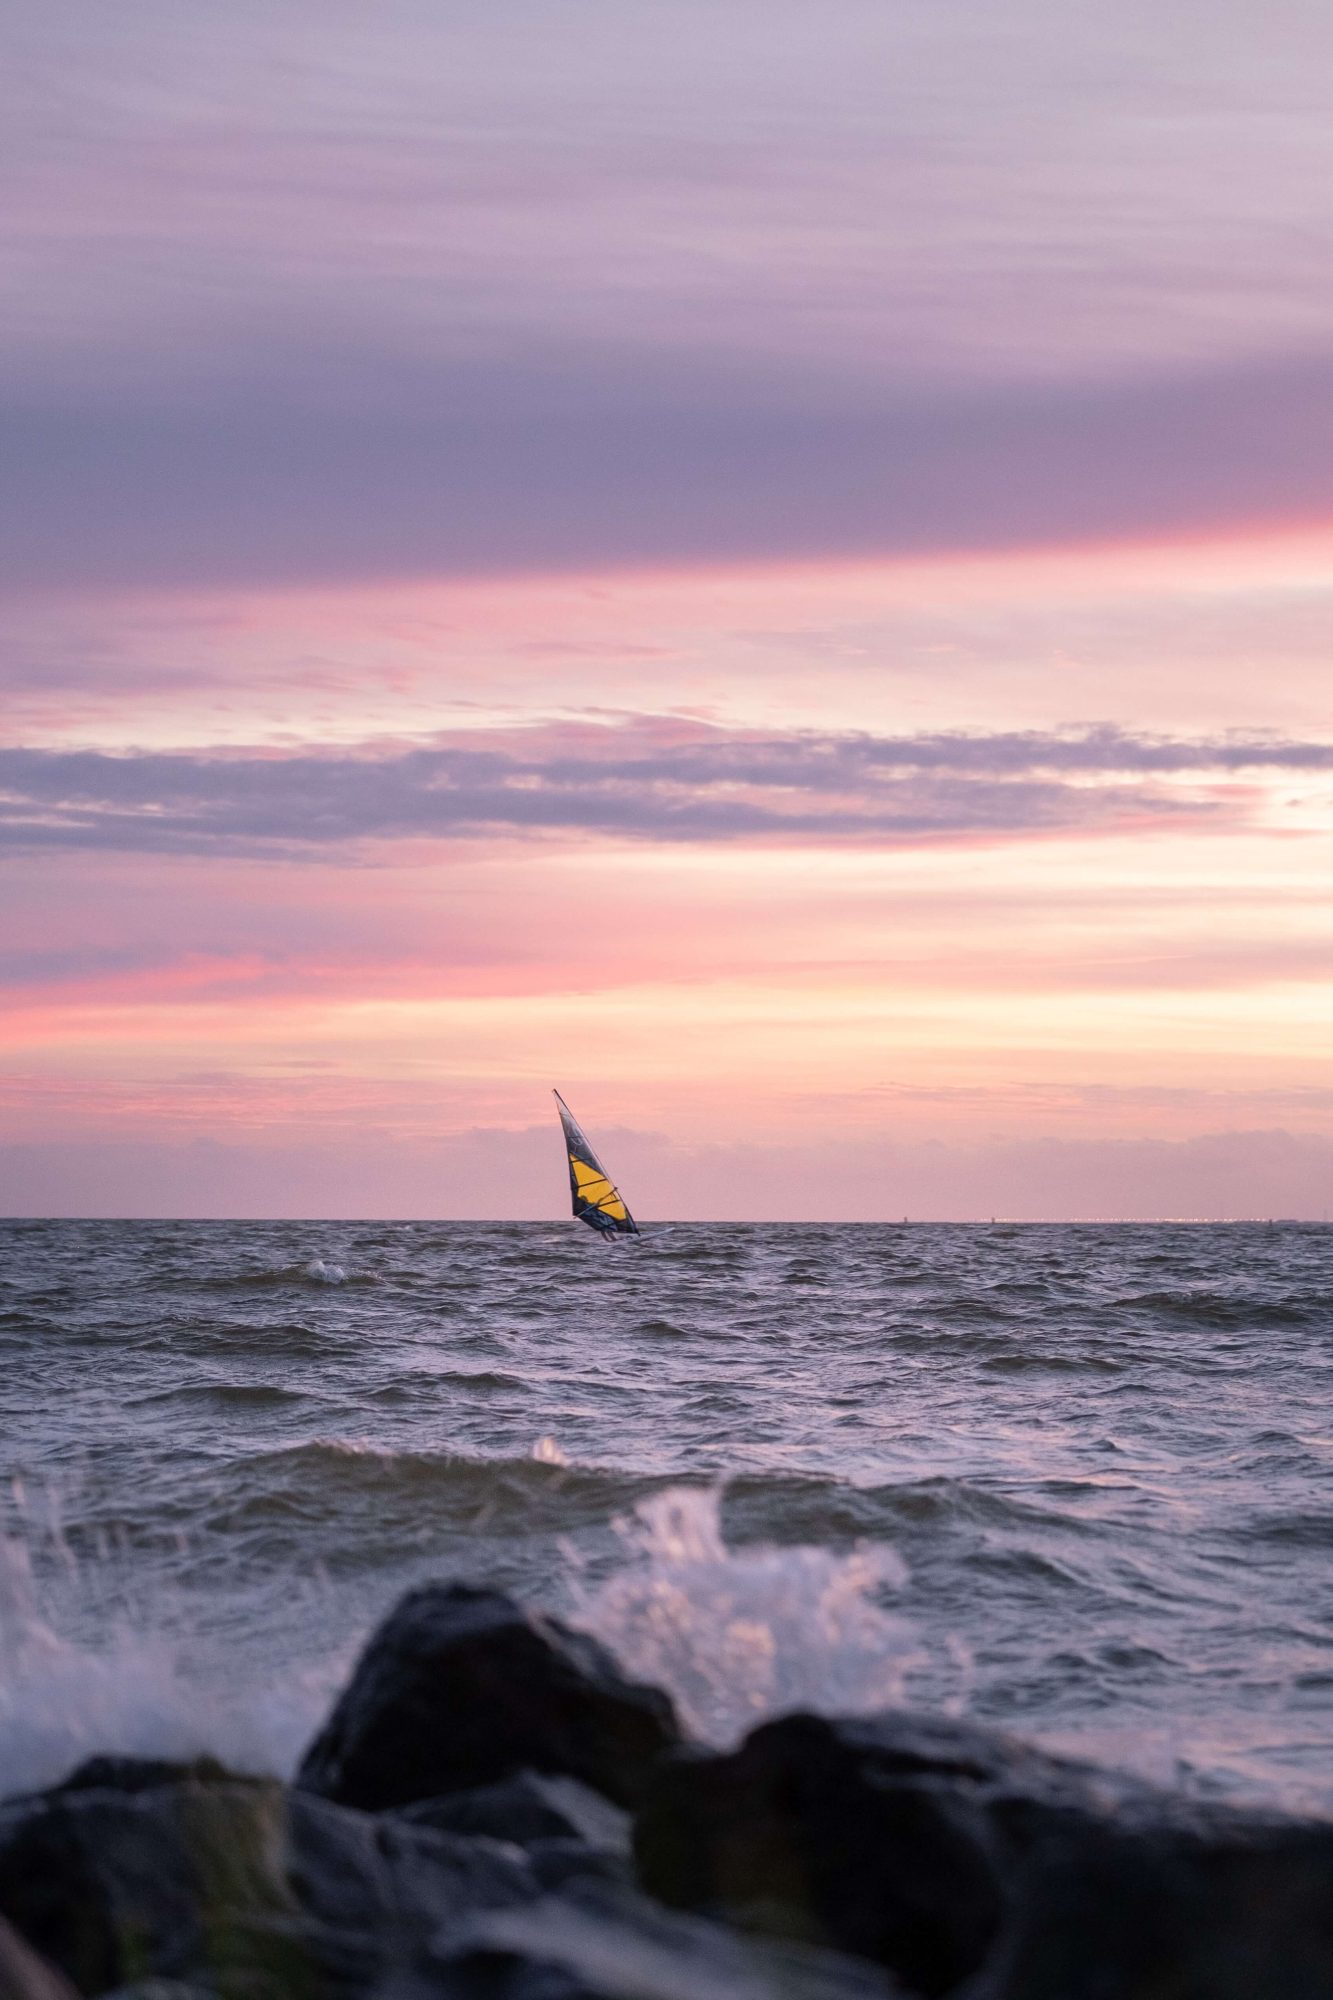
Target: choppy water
1074,1480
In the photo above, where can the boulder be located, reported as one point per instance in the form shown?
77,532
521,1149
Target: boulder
24,1975
140,1774
606,1943
1209,1906
564,1864
527,1808
237,1886
161,1989
971,1866
461,1687
567,1831
825,1832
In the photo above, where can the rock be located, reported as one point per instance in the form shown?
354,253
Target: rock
26,1976
817,1831
160,1989
140,1774
1230,1907
439,1878
129,1774
969,1865
236,1886
526,1809
558,1864
610,1944
461,1687
567,1831
855,1859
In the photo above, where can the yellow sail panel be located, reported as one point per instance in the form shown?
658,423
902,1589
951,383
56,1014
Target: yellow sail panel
596,1189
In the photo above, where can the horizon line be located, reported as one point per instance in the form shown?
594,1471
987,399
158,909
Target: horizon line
740,1222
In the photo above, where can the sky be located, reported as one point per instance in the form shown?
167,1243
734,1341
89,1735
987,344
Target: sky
768,566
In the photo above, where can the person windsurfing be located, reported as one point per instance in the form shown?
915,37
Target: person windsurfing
597,1200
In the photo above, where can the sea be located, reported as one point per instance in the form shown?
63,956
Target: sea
1072,1481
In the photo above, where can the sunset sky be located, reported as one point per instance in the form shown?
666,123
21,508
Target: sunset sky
768,565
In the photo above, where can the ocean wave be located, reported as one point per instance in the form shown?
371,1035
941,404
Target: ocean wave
523,1494
738,1634
238,1395
1223,1311
366,1499
1012,1360
230,1337
410,1389
1307,1528
324,1476
132,1691
313,1271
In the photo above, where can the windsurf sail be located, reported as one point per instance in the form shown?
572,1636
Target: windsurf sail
597,1199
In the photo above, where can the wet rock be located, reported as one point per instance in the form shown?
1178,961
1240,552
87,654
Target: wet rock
461,1687
239,1887
970,1865
559,1864
160,1989
141,1774
435,1877
825,1859
830,1833
528,1808
1206,1906
130,1774
610,1944
568,1832
24,1975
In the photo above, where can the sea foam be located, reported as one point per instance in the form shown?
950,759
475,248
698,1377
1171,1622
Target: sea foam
740,1634
133,1691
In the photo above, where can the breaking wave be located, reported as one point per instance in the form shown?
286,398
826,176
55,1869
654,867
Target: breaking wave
312,1271
133,1690
741,1634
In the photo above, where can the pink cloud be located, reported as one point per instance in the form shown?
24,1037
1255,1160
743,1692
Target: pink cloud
788,588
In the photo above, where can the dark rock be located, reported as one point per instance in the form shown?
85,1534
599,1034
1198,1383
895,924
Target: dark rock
851,1859
527,1808
239,1887
460,1687
568,1832
1231,1907
141,1774
130,1774
558,1864
24,1975
161,1989
610,1944
435,1878
816,1830
967,1864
